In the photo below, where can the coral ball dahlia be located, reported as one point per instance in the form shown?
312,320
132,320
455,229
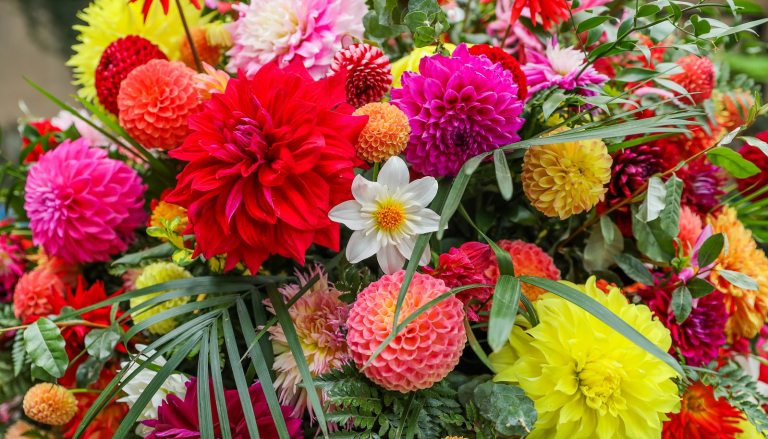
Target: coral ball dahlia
459,106
425,351
155,101
38,293
82,205
268,158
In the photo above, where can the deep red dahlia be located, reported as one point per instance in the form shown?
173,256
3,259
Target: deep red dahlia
268,158
550,12
498,55
165,3
702,185
368,73
631,169
758,181
698,77
118,60
41,139
702,416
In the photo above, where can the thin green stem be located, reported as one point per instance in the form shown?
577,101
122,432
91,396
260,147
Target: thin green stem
195,54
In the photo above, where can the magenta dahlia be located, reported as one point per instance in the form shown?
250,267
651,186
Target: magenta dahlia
702,334
702,185
82,205
11,265
179,418
458,106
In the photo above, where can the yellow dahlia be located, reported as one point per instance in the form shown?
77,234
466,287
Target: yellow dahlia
386,133
410,62
50,404
586,380
747,309
154,274
565,179
168,212
107,20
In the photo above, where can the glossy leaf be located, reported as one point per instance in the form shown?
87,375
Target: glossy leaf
634,269
682,303
732,162
711,249
46,347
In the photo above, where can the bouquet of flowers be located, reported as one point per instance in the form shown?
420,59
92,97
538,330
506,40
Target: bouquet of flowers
391,219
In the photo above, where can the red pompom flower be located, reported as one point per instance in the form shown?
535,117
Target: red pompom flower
698,78
268,158
368,73
509,62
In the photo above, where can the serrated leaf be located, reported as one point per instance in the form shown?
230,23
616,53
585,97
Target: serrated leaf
732,162
699,287
100,343
506,296
710,249
506,406
682,303
46,347
634,269
740,280
655,200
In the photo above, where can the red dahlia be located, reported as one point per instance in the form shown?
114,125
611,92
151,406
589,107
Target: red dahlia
39,136
268,158
698,77
551,12
165,4
117,61
758,181
368,73
498,55
702,416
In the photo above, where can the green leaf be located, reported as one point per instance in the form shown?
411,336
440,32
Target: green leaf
711,249
635,74
648,10
699,287
757,143
18,353
599,251
732,162
506,406
669,217
740,280
237,370
655,199
605,315
608,228
204,388
503,176
634,269
100,343
218,384
88,372
552,103
46,347
157,252
682,303
506,296
732,30
651,240
592,22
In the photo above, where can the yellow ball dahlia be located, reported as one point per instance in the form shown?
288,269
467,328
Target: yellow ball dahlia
565,179
747,309
50,404
154,274
107,20
585,379
386,133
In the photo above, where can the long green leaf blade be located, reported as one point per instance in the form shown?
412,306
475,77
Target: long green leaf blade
506,296
237,370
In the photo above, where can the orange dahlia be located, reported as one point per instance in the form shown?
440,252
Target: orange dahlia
38,294
421,354
50,404
747,309
529,260
702,416
732,107
385,135
155,101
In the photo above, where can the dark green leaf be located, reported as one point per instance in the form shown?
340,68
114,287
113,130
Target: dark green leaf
506,296
88,372
18,353
503,176
635,74
46,347
100,343
204,388
237,370
634,269
669,217
740,280
699,287
591,23
732,162
647,10
218,385
734,29
552,103
711,249
682,303
506,406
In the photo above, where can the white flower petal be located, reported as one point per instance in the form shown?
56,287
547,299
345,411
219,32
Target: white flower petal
390,259
425,257
424,221
405,246
363,190
394,174
348,213
422,191
362,245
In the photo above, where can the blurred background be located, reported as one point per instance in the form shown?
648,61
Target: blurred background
35,41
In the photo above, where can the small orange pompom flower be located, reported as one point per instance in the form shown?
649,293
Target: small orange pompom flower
208,53
155,101
38,293
386,133
50,404
421,354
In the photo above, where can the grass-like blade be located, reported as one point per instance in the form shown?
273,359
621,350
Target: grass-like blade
410,270
506,296
204,388
176,311
475,345
237,370
503,175
218,384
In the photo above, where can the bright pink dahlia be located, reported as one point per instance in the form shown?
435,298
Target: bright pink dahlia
368,73
268,158
179,418
702,334
82,205
562,68
458,106
310,31
421,354
11,265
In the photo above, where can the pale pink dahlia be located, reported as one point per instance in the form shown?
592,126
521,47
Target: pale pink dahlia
319,317
458,106
562,68
309,30
421,354
82,205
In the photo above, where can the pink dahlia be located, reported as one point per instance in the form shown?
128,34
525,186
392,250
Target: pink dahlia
179,418
421,354
268,158
82,205
562,68
310,31
458,106
38,294
12,262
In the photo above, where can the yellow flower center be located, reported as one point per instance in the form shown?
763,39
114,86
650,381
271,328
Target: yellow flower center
389,216
600,383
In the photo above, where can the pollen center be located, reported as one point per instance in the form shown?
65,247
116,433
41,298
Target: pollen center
389,216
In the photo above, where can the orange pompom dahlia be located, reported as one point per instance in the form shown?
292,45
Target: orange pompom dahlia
155,101
50,404
385,135
38,293
528,260
421,354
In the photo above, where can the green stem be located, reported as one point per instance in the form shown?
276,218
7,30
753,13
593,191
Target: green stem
195,55
376,170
